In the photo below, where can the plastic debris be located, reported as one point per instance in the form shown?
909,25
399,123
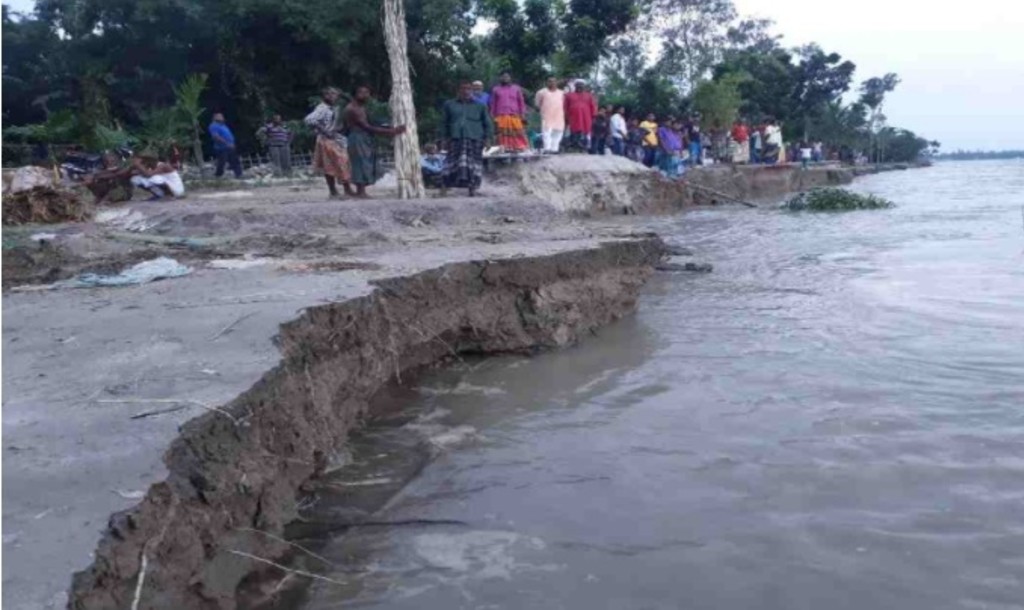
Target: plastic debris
29,177
124,218
143,273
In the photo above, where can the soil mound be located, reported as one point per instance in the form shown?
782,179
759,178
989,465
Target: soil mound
45,205
594,184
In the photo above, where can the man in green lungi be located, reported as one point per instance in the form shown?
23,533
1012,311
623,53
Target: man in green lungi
360,141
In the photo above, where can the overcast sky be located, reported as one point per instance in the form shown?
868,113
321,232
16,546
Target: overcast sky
962,64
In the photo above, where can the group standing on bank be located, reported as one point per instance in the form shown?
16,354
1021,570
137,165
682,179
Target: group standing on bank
571,120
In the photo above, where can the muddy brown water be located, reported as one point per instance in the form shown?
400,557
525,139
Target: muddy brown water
833,418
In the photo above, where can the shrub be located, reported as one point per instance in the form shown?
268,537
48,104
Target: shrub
833,199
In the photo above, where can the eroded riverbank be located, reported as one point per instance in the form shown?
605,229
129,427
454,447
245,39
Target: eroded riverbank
831,419
98,381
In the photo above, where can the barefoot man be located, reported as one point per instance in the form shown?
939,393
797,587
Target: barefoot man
360,141
551,103
467,127
331,155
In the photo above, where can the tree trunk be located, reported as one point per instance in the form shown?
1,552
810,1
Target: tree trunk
403,112
197,149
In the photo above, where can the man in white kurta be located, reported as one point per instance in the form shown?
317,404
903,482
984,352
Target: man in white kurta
550,101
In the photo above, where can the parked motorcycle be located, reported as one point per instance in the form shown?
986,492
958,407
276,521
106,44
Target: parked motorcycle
79,164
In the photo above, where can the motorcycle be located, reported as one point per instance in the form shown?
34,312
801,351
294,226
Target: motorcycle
77,165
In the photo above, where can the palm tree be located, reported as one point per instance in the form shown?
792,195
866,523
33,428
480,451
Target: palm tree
187,96
841,125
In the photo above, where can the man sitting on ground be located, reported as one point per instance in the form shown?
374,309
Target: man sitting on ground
157,177
432,166
112,183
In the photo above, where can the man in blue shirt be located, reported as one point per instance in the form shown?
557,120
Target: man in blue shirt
479,95
224,146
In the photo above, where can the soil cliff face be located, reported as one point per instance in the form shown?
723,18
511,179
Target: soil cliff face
763,181
597,185
235,472
594,185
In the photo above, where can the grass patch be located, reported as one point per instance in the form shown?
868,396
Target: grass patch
836,200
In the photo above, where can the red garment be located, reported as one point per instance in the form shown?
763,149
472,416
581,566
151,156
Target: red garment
175,157
580,109
739,133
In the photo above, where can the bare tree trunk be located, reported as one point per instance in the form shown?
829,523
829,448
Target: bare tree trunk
403,112
197,149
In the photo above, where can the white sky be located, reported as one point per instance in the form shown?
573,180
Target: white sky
962,63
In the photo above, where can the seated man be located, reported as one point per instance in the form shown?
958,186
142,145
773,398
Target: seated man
157,177
432,166
112,183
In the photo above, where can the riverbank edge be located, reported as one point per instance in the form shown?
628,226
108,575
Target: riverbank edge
511,222
234,472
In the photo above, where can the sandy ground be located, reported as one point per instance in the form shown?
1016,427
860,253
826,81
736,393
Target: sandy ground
82,364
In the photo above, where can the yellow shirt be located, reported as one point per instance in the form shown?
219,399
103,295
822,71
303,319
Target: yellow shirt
651,139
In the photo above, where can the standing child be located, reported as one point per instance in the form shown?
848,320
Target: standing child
635,140
805,154
755,143
599,133
650,145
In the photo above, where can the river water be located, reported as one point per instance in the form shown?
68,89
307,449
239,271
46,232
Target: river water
834,418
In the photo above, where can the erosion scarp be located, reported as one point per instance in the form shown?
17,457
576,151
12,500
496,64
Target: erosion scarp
235,472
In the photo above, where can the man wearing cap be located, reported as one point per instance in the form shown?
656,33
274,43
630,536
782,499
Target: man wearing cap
479,95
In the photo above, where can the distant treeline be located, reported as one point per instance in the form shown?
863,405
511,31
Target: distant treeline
975,155
150,73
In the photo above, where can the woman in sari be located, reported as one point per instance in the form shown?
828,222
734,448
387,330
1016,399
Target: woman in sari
508,107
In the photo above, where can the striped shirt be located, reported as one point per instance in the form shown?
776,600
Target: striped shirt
277,135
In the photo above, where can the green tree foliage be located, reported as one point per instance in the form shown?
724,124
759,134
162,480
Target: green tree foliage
262,56
901,145
841,125
35,69
526,36
118,61
623,71
588,24
718,101
752,36
767,90
873,90
119,65
536,38
821,78
694,34
189,108
872,95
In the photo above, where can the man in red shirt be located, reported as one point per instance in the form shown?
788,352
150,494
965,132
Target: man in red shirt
580,110
740,145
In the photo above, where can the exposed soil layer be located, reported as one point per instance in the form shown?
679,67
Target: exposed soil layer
751,183
594,185
239,467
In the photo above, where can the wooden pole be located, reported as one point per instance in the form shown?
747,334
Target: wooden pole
712,191
403,112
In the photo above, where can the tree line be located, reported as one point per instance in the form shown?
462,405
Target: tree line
104,72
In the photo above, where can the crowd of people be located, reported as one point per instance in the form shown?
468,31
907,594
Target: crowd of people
570,120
